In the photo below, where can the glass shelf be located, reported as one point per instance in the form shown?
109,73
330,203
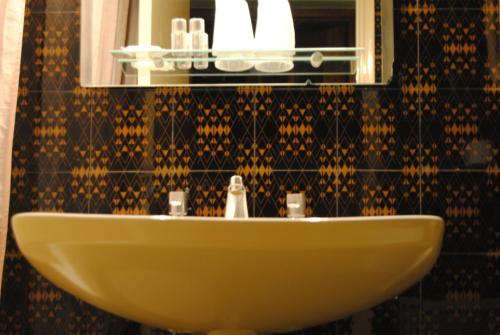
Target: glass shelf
158,52
311,66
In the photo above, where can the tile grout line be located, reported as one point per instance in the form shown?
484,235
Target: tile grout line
54,12
172,141
373,88
254,142
78,11
88,188
420,162
337,155
361,171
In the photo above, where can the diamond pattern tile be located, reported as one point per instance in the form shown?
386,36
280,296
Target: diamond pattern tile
460,296
36,6
51,51
214,129
377,193
53,132
449,4
405,48
121,193
209,191
425,143
65,192
468,203
459,48
293,129
271,190
376,129
122,139
461,130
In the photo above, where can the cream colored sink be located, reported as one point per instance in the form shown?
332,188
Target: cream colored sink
230,276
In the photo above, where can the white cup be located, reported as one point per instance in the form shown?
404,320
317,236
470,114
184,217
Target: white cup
275,31
233,31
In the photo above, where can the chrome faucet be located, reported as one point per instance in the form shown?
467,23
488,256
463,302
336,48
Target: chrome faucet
236,204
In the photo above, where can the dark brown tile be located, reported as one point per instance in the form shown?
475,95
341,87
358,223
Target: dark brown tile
459,48
378,193
294,130
468,203
449,4
121,193
44,6
122,123
270,190
51,51
214,129
461,129
398,316
208,193
377,130
63,192
404,67
52,132
460,296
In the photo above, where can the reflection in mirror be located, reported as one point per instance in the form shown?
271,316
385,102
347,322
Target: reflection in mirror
235,42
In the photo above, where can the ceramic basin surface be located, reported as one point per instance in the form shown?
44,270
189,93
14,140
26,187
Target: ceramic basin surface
202,274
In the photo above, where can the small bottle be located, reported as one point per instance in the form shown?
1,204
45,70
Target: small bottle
199,42
181,40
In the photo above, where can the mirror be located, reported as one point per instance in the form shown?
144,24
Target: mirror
236,42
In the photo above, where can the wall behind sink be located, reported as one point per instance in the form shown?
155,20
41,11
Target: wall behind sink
427,143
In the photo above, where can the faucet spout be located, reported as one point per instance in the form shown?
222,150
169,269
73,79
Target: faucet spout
236,204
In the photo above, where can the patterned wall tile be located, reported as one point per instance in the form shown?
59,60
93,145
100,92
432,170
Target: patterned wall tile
448,4
12,321
50,310
208,193
56,305
271,190
376,129
122,121
167,165
490,18
293,130
214,129
399,315
469,204
396,316
36,6
403,4
459,49
461,130
328,329
23,148
121,193
51,51
405,48
378,193
64,192
460,296
52,132
280,140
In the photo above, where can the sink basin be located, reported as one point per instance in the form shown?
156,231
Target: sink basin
221,276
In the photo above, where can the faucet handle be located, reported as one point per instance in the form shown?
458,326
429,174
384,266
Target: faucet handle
177,202
295,205
236,185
